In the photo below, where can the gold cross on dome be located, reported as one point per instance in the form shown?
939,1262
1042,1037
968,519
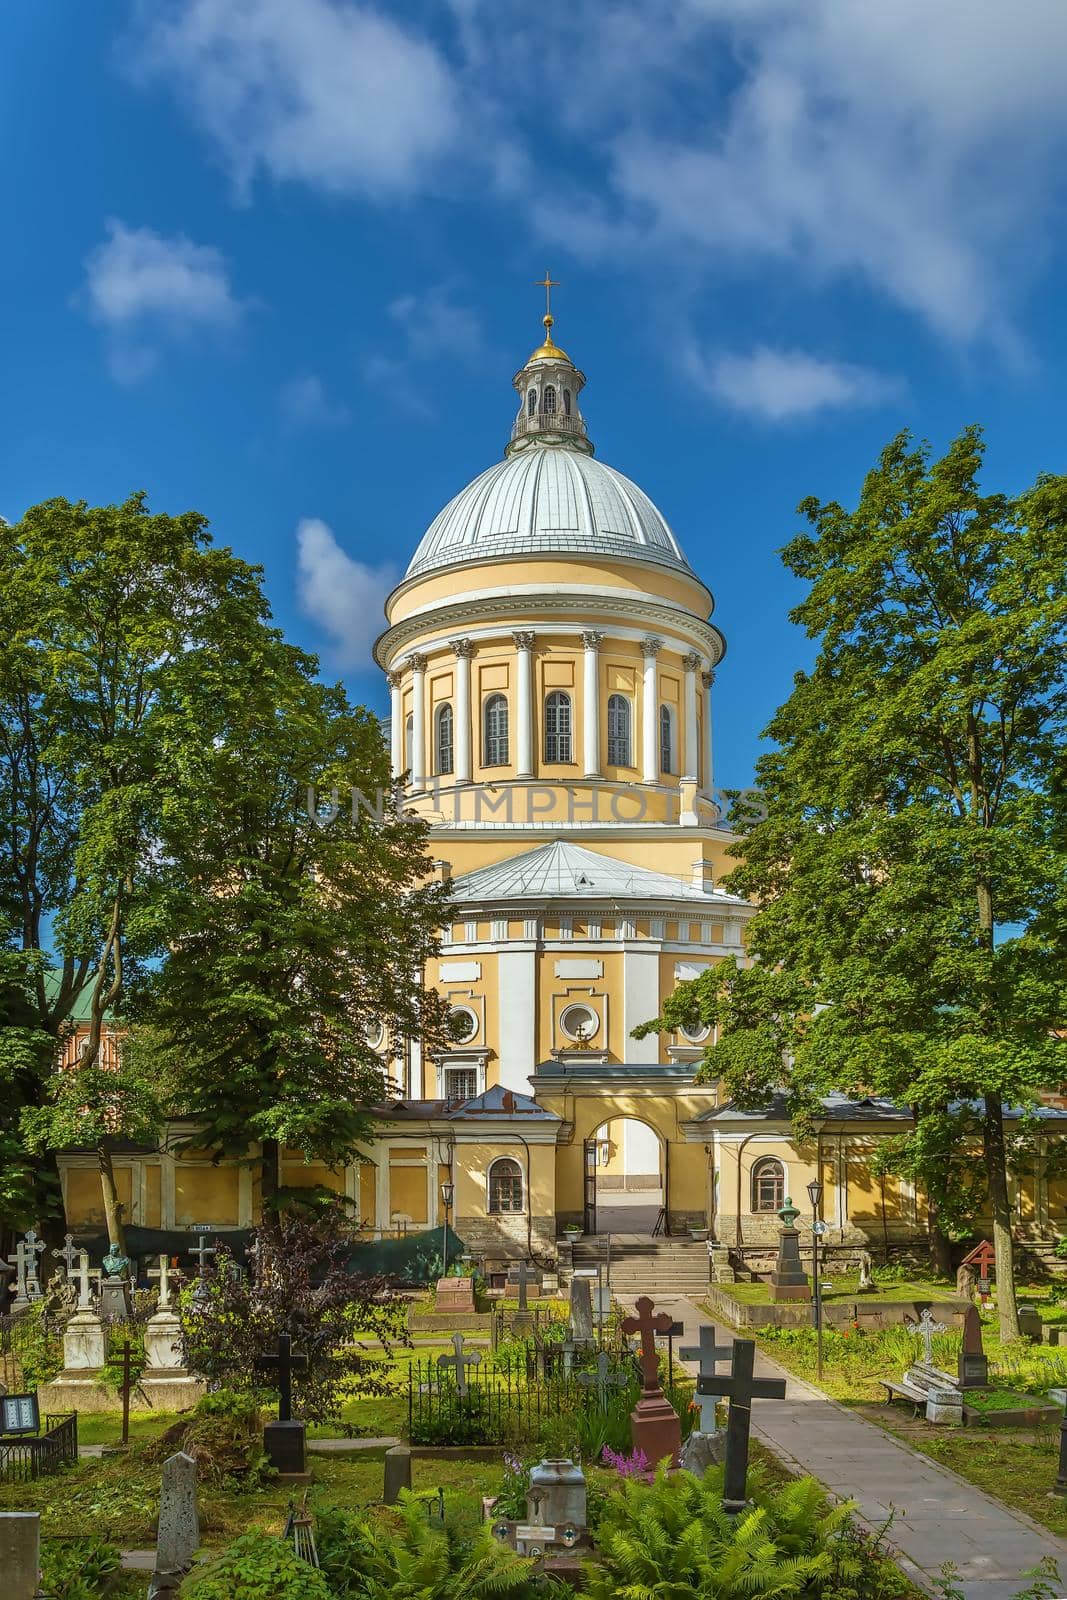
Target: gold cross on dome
547,283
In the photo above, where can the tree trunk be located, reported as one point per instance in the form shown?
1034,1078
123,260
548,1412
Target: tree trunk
1003,1244
116,1233
269,1182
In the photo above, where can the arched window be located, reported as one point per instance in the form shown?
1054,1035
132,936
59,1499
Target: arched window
768,1185
548,404
496,731
618,731
409,741
531,403
558,726
566,402
443,741
666,739
505,1187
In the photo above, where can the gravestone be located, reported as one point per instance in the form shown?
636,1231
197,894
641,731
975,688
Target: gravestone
166,1383
520,1278
284,1440
972,1364
20,1553
866,1284
1030,1324
967,1282
706,1445
925,1329
178,1538
456,1295
603,1380
581,1312
654,1424
68,1255
461,1360
741,1388
789,1281
397,1472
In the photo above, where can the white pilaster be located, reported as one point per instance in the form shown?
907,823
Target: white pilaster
591,704
707,679
691,756
517,980
418,721
640,1002
396,724
463,650
650,649
524,691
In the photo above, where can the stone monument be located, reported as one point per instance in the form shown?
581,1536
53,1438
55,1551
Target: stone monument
178,1537
167,1384
654,1424
742,1388
789,1281
555,1531
79,1387
972,1363
20,1553
866,1284
284,1440
115,1302
581,1313
706,1445
455,1295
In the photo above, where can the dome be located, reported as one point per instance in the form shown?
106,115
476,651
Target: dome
548,500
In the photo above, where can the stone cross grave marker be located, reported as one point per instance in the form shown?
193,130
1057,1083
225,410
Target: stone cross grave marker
709,1354
925,1329
82,1274
34,1247
68,1255
162,1272
284,1440
741,1388
179,1524
522,1276
461,1360
18,1261
603,1380
655,1428
202,1251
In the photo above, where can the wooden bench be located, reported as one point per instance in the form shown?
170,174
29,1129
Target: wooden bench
904,1391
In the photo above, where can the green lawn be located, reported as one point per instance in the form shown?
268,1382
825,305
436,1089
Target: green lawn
846,1287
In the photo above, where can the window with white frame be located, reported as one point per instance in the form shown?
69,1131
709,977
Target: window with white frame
505,1187
444,739
558,726
579,1022
666,740
618,731
460,1083
768,1185
496,731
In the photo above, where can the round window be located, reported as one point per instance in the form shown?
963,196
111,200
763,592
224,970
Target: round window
695,1033
464,1024
579,1022
374,1034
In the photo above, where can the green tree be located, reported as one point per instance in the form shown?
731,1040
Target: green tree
293,893
909,869
102,609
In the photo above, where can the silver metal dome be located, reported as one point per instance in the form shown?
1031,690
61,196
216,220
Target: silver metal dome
548,500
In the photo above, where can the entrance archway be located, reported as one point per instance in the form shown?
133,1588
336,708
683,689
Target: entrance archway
624,1178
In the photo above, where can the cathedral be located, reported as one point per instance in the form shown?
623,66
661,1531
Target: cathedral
551,656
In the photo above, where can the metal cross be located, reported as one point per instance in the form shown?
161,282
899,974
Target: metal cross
648,1326
742,1388
69,1253
547,283
708,1353
523,1276
18,1261
284,1362
461,1361
34,1247
162,1272
604,1379
925,1328
202,1251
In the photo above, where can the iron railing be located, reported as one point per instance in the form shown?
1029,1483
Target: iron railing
29,1457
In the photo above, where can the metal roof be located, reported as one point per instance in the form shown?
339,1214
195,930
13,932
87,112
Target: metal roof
863,1108
495,1102
561,870
553,500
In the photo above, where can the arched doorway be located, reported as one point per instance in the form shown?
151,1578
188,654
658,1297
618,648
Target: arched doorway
624,1178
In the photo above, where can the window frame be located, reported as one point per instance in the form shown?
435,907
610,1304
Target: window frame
494,742
762,1172
559,740
666,740
548,400
444,749
493,1207
620,742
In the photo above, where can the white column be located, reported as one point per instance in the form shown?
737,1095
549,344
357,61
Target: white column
396,723
418,722
463,650
517,980
591,704
524,693
707,679
691,758
640,1001
650,649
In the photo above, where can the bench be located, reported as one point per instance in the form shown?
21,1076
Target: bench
904,1391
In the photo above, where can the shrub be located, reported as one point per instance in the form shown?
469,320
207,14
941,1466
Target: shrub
223,1434
257,1566
77,1569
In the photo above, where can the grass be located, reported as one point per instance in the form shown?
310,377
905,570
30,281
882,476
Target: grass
846,1287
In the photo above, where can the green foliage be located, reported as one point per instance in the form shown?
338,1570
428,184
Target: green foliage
77,1569
224,1436
257,1566
40,1349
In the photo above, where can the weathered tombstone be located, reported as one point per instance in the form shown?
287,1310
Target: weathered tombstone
706,1445
866,1284
972,1364
24,1261
20,1553
397,1472
456,1295
179,1524
1030,1324
284,1440
581,1313
945,1406
654,1424
966,1282
68,1255
603,1380
461,1360
742,1388
789,1281
520,1277
925,1329
166,1383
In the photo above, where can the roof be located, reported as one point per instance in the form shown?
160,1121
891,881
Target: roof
495,1102
553,500
862,1108
562,870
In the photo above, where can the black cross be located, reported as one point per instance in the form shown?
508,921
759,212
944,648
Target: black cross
522,1276
285,1362
742,1388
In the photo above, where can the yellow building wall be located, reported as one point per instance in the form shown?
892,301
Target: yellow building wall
84,1201
440,587
206,1194
153,1197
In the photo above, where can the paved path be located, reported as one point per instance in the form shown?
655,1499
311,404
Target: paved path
939,1516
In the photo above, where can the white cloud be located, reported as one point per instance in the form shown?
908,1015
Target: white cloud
144,289
783,385
323,92
305,404
431,325
345,597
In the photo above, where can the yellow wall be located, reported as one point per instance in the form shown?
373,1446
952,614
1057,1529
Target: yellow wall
420,595
206,1194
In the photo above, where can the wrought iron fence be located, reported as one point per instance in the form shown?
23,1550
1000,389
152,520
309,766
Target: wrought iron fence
31,1456
502,1405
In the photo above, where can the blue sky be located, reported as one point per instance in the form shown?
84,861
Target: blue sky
273,259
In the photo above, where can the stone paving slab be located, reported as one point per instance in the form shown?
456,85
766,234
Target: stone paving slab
939,1517
350,1447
